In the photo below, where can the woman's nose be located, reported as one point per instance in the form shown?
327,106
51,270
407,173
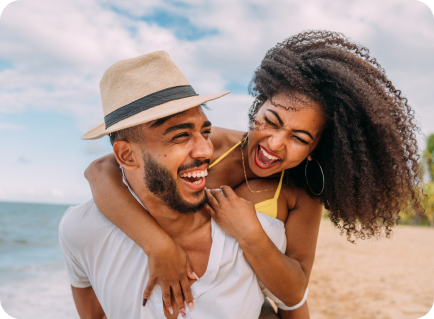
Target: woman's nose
276,142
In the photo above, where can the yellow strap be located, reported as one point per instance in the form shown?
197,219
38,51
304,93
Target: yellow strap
225,154
276,196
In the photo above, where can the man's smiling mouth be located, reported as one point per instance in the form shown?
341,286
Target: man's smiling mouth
194,177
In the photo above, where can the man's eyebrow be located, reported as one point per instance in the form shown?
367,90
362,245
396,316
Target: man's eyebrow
277,116
179,127
206,123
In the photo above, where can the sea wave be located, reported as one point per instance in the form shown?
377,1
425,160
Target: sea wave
45,296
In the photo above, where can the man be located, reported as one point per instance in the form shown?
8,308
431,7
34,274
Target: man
160,139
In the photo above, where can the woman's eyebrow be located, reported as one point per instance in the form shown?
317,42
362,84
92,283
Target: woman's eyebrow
295,131
277,116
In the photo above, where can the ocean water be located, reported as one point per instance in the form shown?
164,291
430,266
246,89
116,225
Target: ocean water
33,282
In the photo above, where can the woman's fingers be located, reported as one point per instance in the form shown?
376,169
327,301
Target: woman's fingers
177,294
148,290
167,298
190,273
187,293
228,191
218,196
211,211
212,201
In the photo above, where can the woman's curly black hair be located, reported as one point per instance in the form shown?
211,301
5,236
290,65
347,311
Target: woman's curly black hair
368,150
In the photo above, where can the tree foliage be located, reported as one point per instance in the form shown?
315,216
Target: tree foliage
428,157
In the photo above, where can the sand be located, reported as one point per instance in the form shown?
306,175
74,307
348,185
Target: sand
373,279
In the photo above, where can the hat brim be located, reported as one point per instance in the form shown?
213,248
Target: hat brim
155,113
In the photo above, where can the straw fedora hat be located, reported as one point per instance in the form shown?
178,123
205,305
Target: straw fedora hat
144,89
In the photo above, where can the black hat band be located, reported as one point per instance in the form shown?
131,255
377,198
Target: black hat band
147,102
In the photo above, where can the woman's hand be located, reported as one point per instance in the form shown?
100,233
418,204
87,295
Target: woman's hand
234,215
170,268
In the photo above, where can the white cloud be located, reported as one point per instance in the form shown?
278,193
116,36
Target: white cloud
57,192
55,52
11,127
23,160
230,111
97,147
61,51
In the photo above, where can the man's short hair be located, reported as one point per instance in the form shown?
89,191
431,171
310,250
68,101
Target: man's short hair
132,134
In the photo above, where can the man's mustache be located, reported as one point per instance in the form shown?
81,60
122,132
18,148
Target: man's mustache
193,164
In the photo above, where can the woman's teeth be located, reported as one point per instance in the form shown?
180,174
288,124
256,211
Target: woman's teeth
268,155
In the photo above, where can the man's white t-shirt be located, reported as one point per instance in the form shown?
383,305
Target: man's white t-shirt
99,254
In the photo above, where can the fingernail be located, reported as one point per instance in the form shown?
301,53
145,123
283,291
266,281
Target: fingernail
170,310
190,306
182,312
144,301
196,276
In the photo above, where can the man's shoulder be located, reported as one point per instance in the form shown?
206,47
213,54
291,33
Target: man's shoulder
274,228
81,224
80,214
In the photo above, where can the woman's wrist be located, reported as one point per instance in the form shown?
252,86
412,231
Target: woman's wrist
160,244
251,237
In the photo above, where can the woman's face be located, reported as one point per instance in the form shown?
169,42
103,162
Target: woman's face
281,139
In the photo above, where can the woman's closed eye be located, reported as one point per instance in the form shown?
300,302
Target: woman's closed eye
270,122
301,140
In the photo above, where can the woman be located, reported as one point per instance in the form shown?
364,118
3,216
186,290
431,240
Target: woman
326,128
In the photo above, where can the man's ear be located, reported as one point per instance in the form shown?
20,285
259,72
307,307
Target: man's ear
126,155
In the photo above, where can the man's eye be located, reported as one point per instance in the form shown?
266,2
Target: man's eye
181,135
269,122
206,132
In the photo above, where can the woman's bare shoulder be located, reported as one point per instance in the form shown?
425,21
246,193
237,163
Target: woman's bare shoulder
292,193
223,138
297,197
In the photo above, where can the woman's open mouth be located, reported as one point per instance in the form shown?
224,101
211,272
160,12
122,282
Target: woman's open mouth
264,158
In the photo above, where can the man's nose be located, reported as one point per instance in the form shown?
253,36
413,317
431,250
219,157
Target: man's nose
202,149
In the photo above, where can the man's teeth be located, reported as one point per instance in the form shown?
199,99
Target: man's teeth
198,181
268,155
196,174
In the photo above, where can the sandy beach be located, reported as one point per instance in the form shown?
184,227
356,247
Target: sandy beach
381,279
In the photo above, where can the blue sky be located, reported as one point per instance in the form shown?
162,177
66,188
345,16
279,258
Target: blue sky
51,65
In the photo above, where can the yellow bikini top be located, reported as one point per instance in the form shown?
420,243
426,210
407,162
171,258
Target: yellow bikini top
267,207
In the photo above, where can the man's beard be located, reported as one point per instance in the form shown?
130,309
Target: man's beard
161,183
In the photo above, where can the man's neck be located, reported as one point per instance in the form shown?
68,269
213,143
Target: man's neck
174,223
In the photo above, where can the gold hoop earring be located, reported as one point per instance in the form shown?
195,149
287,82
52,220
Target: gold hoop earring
305,174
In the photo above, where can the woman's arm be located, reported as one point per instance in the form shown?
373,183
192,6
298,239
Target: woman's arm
168,263
299,313
285,275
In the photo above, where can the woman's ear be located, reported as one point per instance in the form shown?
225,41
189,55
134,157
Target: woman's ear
125,155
